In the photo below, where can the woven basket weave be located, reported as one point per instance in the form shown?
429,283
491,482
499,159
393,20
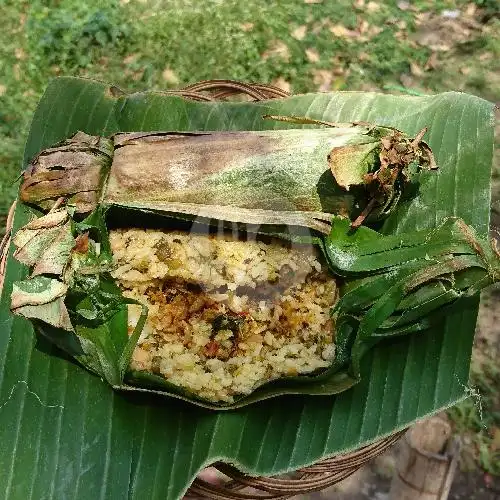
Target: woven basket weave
239,486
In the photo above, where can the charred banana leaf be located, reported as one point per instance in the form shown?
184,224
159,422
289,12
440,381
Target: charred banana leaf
295,177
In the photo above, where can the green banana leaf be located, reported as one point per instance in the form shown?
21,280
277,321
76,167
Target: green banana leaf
64,433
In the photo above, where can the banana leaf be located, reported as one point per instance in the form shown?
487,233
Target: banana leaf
400,283
73,436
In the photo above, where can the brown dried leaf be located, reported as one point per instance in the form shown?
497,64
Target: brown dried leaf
247,26
432,63
470,10
422,18
312,55
486,56
277,49
375,30
137,75
465,70
313,1
358,4
19,53
340,31
363,26
372,7
82,243
339,71
130,59
170,77
3,89
299,33
282,84
322,78
415,69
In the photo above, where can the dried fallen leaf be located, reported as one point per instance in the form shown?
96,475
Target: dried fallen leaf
170,77
420,18
313,1
372,6
300,32
400,35
339,70
404,5
359,4
465,70
340,31
322,78
363,26
432,62
312,55
486,56
131,58
470,11
3,89
19,53
277,49
247,26
82,243
415,69
137,75
374,30
282,84
363,56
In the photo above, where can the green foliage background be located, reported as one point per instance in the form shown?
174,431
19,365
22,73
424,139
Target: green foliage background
158,44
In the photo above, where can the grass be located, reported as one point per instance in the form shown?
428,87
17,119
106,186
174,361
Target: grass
477,419
166,43
302,46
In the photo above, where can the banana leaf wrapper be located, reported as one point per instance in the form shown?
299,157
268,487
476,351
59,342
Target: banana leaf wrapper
291,177
392,285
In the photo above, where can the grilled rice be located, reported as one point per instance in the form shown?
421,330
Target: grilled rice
225,315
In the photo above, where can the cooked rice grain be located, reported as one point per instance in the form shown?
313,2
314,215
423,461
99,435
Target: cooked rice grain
225,315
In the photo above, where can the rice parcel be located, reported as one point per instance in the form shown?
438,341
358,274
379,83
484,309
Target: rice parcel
225,315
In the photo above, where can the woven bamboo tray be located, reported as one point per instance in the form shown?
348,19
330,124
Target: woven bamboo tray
239,486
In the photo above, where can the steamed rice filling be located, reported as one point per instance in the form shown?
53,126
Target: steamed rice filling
225,315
